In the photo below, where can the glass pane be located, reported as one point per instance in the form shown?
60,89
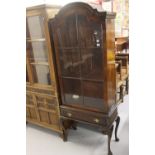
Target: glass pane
35,27
70,63
67,34
93,94
37,51
72,91
89,32
92,66
41,74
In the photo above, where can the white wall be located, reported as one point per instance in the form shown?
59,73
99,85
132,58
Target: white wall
34,2
57,2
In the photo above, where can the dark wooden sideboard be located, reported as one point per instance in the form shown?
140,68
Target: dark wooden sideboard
84,43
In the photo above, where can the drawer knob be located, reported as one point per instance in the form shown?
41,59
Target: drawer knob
96,120
69,114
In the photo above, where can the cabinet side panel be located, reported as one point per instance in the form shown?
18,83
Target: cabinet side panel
111,71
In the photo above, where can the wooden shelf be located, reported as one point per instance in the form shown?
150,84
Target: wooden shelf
70,48
40,63
36,40
82,79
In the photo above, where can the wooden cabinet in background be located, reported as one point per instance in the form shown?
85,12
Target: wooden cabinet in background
84,42
42,104
122,57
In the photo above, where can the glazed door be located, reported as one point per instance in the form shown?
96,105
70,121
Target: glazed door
37,51
79,52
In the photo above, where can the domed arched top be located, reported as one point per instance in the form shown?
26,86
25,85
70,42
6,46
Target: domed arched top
76,5
80,7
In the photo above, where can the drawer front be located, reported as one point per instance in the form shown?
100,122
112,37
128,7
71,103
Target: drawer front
51,92
45,102
86,116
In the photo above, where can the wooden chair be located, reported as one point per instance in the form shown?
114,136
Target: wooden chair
122,56
124,72
119,82
122,44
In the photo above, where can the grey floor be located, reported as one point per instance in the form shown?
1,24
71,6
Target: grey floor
85,140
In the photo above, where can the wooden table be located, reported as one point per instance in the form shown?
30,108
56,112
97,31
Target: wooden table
122,43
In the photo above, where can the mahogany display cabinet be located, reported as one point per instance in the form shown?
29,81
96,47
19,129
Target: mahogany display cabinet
84,43
42,104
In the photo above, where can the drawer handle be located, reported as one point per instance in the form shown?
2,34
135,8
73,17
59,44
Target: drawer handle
69,114
96,120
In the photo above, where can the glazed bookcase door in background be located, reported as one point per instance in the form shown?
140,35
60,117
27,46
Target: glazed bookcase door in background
37,50
41,89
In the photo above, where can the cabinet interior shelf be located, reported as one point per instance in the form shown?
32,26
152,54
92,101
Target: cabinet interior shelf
40,63
82,79
70,48
36,40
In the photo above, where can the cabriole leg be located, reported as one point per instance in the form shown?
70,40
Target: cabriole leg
74,125
63,135
109,139
116,128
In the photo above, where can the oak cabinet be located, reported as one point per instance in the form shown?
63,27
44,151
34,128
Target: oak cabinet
42,104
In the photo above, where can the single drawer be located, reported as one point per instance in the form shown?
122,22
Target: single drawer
81,115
